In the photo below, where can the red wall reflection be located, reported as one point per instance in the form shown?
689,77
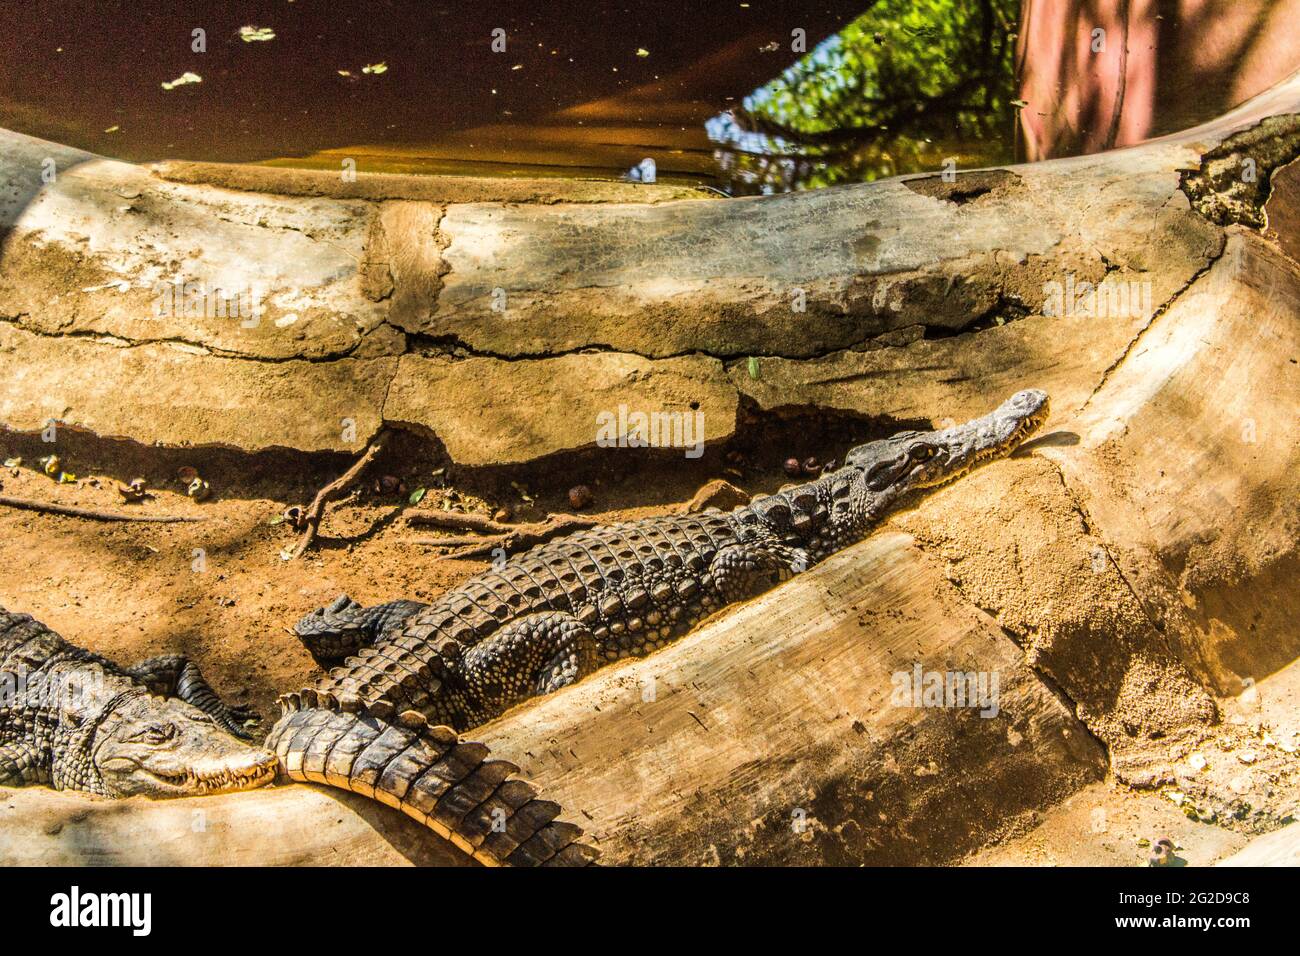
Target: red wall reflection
1154,67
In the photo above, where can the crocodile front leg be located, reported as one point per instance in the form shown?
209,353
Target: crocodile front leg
178,676
343,627
537,654
741,571
22,764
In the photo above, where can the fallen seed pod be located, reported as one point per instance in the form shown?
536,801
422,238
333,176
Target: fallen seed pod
198,489
136,490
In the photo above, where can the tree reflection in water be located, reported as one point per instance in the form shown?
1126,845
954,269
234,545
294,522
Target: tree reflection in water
906,86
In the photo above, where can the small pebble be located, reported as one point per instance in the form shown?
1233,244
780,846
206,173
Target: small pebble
579,497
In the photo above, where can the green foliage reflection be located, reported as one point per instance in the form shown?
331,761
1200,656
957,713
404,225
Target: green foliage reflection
907,85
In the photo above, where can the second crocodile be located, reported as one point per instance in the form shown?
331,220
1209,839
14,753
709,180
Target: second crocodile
406,673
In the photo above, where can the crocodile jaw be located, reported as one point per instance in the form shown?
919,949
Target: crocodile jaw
166,748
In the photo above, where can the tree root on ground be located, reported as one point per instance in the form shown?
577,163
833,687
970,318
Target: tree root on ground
94,514
510,538
335,489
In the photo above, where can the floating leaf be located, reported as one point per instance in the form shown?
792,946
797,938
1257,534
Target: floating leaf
380,67
642,51
256,34
183,80
753,367
112,129
278,519
417,496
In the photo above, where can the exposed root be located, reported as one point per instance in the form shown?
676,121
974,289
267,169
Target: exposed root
94,514
510,538
335,489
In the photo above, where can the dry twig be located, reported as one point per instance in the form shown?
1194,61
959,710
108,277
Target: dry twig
335,489
510,538
95,514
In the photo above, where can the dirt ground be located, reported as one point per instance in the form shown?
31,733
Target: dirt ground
220,591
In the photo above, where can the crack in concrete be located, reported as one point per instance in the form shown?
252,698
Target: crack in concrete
1093,531
1155,315
111,340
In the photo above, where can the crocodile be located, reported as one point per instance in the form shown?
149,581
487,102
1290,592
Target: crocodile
73,720
405,677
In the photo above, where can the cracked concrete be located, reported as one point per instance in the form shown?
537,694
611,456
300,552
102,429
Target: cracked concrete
886,300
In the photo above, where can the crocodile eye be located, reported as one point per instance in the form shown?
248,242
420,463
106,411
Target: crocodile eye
922,452
157,734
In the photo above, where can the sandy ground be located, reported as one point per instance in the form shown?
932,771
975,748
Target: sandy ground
219,590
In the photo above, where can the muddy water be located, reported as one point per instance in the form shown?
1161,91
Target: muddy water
757,96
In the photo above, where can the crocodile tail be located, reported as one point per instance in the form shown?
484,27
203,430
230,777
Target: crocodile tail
431,775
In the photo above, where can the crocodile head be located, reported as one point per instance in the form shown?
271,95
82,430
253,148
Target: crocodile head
913,460
343,626
163,747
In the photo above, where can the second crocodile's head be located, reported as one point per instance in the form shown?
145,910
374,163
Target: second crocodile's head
913,460
160,747
840,507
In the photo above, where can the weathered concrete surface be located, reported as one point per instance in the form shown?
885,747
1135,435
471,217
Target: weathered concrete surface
890,299
277,826
491,411
378,187
155,392
1189,462
755,749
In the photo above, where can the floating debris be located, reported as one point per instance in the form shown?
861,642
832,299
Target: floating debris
373,68
112,129
256,34
184,79
642,52
417,496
